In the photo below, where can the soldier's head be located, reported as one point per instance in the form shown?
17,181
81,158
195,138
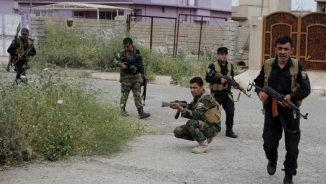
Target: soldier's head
222,54
196,86
283,48
128,44
24,33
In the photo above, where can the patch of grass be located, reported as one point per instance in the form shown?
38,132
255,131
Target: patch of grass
52,118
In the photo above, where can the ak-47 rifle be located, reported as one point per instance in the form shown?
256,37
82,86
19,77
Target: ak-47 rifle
144,84
182,103
277,97
24,53
235,84
10,64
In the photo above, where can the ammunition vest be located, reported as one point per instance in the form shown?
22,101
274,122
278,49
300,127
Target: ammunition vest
294,71
133,61
218,74
20,46
212,115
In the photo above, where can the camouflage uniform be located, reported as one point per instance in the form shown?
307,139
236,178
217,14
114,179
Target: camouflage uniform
198,128
129,81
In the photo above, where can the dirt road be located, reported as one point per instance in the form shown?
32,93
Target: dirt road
161,158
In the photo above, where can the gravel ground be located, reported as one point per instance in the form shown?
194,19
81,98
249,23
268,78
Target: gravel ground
161,158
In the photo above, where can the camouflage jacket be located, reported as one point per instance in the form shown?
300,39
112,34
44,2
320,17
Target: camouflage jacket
133,68
199,109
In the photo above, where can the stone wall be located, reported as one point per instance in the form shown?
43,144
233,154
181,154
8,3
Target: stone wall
189,35
212,37
38,25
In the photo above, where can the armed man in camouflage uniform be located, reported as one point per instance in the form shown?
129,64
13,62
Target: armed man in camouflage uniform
132,70
204,117
20,50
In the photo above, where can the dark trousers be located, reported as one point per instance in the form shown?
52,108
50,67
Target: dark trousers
228,106
272,133
20,69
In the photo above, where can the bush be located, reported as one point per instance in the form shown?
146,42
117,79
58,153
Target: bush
34,122
67,48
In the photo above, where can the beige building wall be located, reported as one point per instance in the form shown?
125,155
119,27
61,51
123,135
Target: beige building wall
321,6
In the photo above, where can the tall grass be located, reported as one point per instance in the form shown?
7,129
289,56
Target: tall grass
52,118
93,50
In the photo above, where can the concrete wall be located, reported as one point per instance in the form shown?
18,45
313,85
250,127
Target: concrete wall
163,35
256,43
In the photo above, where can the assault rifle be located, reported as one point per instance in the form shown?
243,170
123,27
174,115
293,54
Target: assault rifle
144,84
24,53
10,64
233,83
182,103
277,97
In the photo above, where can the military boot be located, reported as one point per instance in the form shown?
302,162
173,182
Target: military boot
230,133
271,166
201,148
142,114
209,140
8,69
288,178
124,112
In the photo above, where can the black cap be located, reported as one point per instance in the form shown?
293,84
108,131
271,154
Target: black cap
221,50
24,31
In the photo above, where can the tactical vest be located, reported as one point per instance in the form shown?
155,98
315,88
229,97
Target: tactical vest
218,74
212,115
133,62
20,46
294,71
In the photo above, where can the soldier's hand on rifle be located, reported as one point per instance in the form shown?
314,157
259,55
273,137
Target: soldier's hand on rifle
18,55
177,106
236,87
262,96
287,98
223,81
123,66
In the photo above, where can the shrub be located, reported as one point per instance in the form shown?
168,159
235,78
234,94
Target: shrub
35,123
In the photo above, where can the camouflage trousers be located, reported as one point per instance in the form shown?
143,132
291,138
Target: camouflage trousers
130,83
197,130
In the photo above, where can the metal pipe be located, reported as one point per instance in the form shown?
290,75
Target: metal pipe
98,13
151,39
176,43
200,33
175,29
30,6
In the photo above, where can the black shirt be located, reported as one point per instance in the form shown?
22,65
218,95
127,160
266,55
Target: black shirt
224,71
12,48
280,80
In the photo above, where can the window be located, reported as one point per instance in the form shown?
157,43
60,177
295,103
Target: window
163,10
44,13
108,15
79,14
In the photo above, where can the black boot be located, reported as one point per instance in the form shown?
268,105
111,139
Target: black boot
8,69
142,114
230,133
288,178
271,166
